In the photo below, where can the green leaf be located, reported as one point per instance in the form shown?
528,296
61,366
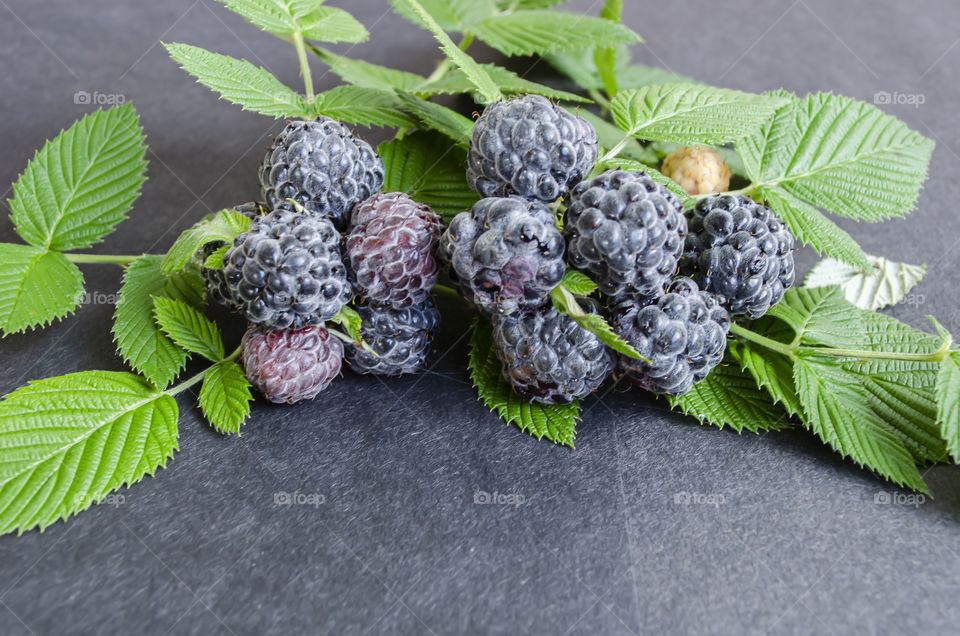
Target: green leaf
841,155
440,118
771,371
605,58
215,260
82,183
450,15
729,397
313,21
609,136
225,397
821,316
431,169
837,410
66,442
811,227
222,226
539,31
140,341
691,113
885,283
367,74
240,82
580,66
622,163
36,287
948,403
188,328
578,283
556,422
364,106
506,5
509,82
486,88
350,320
566,303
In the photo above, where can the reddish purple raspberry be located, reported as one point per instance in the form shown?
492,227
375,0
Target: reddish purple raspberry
391,249
290,365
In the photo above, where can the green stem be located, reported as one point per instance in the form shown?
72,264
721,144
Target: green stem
114,259
613,152
189,382
450,292
598,97
763,341
445,65
304,64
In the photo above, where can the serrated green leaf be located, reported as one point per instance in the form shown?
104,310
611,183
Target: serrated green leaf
350,320
885,283
811,227
948,403
771,371
309,17
580,67
836,409
139,340
222,226
364,106
367,74
821,316
566,303
605,57
841,155
509,82
225,397
690,113
437,117
539,31
486,88
578,283
66,442
82,183
556,422
215,260
240,82
431,169
451,15
188,328
729,396
36,287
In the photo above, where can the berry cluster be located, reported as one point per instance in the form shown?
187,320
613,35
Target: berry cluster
670,282
293,270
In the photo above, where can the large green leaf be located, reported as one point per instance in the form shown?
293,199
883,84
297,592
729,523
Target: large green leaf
240,82
430,168
36,287
539,31
839,154
140,341
67,442
556,422
364,106
730,397
225,397
948,400
885,283
188,328
81,184
308,17
691,113
821,316
771,371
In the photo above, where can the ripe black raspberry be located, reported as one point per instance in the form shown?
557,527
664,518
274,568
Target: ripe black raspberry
401,338
391,249
627,231
214,281
322,166
505,253
286,271
531,147
290,365
741,251
548,357
683,334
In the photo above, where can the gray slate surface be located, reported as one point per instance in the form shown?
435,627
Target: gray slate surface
598,545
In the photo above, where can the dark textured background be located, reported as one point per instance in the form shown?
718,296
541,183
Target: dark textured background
798,544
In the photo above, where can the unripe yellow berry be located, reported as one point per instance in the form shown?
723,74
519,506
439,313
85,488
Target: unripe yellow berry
697,170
